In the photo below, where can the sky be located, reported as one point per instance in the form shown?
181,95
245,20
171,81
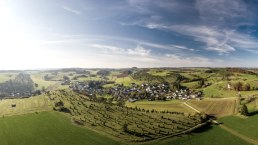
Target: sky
36,34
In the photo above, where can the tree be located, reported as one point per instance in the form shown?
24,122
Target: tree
43,88
103,72
243,110
110,100
238,86
176,85
125,127
201,82
121,103
101,99
247,87
66,78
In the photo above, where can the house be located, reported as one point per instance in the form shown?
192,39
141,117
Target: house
132,100
193,96
229,86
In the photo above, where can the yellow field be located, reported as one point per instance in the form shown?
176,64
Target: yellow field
26,105
215,107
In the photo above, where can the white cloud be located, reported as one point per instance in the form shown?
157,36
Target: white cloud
139,50
109,49
215,39
215,30
143,57
71,10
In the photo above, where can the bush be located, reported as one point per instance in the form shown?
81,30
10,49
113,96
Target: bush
243,110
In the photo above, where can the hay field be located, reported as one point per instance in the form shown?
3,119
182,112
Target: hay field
215,107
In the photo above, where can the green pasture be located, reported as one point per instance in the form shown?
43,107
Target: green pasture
246,126
210,136
47,128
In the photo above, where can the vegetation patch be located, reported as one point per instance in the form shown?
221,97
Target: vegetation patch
127,123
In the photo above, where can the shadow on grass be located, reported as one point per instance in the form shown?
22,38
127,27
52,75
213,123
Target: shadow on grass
203,128
199,130
253,113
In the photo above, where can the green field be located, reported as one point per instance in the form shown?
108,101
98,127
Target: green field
53,128
246,126
253,105
47,128
212,136
127,81
158,72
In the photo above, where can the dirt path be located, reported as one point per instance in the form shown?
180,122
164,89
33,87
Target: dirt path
185,103
243,137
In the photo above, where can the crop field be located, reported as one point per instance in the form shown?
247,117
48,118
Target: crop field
130,124
25,105
173,105
246,126
215,107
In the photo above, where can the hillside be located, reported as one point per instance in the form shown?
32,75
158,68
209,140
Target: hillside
123,106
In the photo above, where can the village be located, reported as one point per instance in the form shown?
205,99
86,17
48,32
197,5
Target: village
135,92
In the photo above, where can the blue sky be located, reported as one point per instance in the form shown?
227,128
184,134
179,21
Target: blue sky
127,33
